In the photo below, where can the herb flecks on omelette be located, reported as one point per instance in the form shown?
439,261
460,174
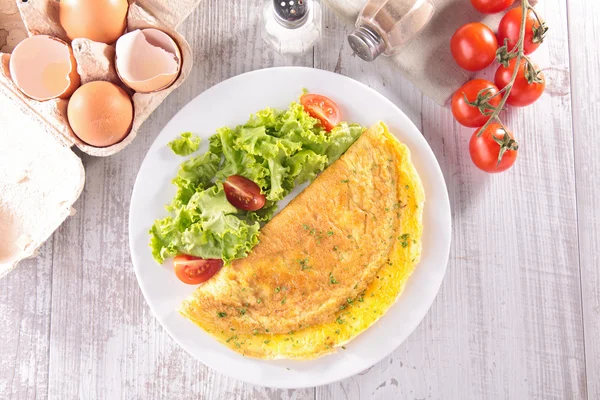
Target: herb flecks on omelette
341,296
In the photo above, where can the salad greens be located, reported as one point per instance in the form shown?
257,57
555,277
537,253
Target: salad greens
277,149
185,145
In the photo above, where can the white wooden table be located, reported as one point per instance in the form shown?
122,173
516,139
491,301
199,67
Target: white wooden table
518,315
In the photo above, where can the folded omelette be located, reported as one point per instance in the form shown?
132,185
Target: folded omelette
329,265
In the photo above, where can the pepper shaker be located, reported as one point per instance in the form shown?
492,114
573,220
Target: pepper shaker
384,26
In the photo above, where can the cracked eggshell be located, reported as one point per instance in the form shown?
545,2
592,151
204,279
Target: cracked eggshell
147,60
43,68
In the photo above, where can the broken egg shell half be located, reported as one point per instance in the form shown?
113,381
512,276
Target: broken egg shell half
147,60
43,68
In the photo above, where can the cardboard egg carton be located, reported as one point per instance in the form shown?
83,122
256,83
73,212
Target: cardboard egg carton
40,176
95,61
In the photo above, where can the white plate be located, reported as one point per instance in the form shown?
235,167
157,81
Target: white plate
230,103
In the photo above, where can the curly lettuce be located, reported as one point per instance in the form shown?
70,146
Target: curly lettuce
276,149
185,145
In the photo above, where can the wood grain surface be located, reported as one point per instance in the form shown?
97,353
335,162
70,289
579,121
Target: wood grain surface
518,315
584,28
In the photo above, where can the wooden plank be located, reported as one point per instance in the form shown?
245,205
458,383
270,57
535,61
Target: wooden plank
507,321
506,324
25,296
105,343
584,28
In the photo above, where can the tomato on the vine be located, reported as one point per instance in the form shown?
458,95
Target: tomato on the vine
469,111
510,28
494,150
529,84
491,6
474,46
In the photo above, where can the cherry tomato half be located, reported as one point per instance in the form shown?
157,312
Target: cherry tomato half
322,108
523,93
474,46
193,270
510,28
467,114
485,149
244,194
491,6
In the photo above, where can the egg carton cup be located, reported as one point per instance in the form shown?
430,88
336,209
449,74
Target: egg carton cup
40,176
96,62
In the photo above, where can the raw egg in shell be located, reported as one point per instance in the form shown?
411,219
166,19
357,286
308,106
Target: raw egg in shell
98,20
100,113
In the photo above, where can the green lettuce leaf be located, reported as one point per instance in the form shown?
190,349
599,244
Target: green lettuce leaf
276,149
185,145
193,175
340,138
206,227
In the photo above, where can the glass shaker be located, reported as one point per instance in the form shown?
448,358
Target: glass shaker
291,26
384,26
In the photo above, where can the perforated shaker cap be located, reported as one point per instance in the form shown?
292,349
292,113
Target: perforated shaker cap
366,43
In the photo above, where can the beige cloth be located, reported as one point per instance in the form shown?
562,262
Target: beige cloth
426,61
170,13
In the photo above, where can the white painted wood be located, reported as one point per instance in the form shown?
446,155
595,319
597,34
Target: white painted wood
104,341
584,29
508,322
25,311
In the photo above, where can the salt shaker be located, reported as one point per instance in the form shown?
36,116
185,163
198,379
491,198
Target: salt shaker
384,26
291,26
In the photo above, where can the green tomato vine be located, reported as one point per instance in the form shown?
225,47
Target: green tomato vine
504,56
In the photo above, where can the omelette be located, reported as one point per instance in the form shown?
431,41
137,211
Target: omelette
329,265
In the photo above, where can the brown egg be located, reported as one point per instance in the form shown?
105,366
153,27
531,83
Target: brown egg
97,20
100,113
43,68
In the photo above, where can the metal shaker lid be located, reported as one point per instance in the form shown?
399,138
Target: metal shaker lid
291,13
366,43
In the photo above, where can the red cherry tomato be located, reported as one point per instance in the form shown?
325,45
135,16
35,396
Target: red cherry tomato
244,194
523,93
193,270
322,108
467,114
510,28
485,149
491,6
474,46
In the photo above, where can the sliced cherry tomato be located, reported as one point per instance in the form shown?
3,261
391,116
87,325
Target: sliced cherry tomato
193,270
510,28
244,194
322,108
491,6
486,149
523,92
470,115
474,46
